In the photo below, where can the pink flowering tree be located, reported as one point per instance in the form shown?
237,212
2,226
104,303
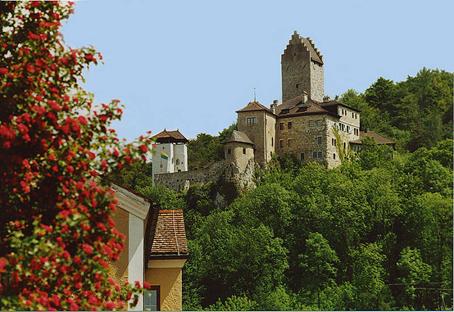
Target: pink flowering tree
57,237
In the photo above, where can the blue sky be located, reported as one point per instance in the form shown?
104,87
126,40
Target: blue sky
191,64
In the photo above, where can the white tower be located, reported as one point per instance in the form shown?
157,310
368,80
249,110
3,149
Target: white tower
171,153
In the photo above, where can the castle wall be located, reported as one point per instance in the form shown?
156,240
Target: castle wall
181,157
238,153
261,133
317,91
296,71
270,137
308,134
161,165
181,180
333,157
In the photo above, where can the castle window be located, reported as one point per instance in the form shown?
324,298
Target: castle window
319,154
177,162
244,151
281,126
314,154
297,85
348,129
251,121
229,151
333,142
345,145
334,155
319,140
289,142
302,156
272,142
353,115
311,123
289,125
281,143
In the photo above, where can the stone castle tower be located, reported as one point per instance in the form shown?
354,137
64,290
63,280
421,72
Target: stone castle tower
258,123
302,69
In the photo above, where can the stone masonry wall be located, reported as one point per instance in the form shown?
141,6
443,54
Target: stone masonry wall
302,137
317,91
181,180
295,67
256,132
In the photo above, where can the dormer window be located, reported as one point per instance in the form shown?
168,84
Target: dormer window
285,111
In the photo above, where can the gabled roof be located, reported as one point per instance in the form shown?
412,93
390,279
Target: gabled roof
315,54
334,103
166,136
254,106
240,137
131,202
169,235
379,139
296,107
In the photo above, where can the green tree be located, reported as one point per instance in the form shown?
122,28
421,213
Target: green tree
382,95
414,272
237,259
369,277
319,263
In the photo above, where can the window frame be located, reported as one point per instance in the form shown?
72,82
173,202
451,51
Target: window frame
156,288
250,121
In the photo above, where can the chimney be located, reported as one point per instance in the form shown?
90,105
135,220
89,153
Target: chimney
274,105
326,98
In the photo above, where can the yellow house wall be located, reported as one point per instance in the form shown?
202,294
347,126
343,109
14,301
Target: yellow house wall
171,285
121,219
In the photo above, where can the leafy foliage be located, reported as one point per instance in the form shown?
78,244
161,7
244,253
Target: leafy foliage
416,112
56,234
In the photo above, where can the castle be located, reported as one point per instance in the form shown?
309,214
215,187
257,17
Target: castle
306,125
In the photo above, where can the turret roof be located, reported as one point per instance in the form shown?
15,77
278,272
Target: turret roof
239,137
166,136
254,106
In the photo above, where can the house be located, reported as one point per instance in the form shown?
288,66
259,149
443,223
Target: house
155,250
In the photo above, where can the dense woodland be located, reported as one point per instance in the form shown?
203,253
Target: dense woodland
375,233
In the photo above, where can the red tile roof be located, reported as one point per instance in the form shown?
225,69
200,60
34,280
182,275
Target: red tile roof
166,136
169,237
379,139
296,107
